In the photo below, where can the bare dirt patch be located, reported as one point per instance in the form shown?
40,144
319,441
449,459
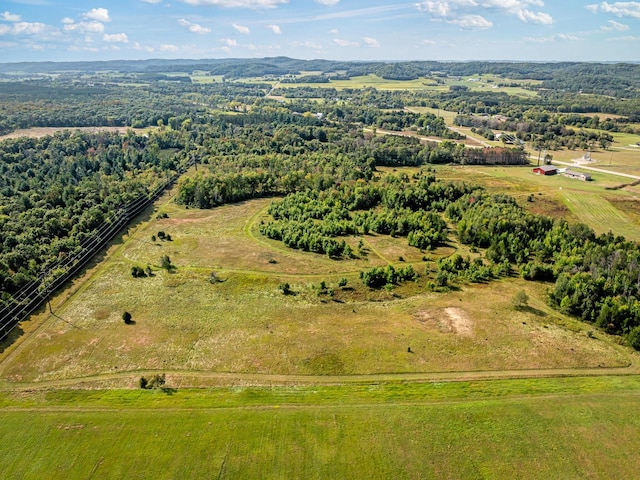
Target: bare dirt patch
38,132
447,320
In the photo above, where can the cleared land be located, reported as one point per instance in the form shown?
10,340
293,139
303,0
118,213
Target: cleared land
243,324
37,132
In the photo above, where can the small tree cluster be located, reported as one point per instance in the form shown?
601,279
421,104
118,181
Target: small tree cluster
137,272
164,236
378,277
165,262
158,381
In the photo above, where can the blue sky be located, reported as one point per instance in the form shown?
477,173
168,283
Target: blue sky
37,30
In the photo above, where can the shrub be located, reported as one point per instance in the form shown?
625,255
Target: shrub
137,272
126,317
285,288
165,262
520,299
633,338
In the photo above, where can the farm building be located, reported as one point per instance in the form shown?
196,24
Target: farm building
585,177
545,170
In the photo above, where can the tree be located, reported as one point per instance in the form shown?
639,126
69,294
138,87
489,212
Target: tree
633,338
126,317
520,299
285,288
165,262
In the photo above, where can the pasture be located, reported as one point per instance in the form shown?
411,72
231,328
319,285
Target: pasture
543,428
242,323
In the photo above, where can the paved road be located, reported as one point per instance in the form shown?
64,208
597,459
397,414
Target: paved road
600,170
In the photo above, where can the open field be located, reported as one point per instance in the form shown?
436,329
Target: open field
37,132
558,196
243,324
308,385
545,428
422,83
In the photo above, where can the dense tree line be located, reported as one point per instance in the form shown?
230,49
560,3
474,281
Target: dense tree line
56,190
596,278
310,220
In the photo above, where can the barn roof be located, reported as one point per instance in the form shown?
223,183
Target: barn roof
546,168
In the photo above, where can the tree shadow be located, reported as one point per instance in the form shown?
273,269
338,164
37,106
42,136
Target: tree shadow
11,337
531,310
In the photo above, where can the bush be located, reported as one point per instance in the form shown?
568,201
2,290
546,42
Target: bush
126,317
285,288
520,299
137,272
633,338
165,262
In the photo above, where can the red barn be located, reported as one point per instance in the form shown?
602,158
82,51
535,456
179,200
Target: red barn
545,170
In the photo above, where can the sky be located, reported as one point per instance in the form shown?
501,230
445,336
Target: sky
519,30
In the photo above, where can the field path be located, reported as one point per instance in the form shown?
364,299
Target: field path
186,378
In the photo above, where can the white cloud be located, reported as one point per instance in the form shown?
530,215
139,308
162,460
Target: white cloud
4,29
437,7
275,29
345,43
28,28
84,27
255,4
116,38
528,16
151,1
561,37
307,44
427,42
144,48
168,47
10,17
619,9
97,14
451,10
67,20
370,42
242,29
471,22
566,36
193,27
613,25
229,42
328,3
334,31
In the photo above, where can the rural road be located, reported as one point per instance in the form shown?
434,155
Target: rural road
594,169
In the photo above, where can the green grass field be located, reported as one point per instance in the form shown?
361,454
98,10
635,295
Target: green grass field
547,428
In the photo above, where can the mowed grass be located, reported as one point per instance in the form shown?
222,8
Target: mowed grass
244,324
546,428
603,216
559,196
